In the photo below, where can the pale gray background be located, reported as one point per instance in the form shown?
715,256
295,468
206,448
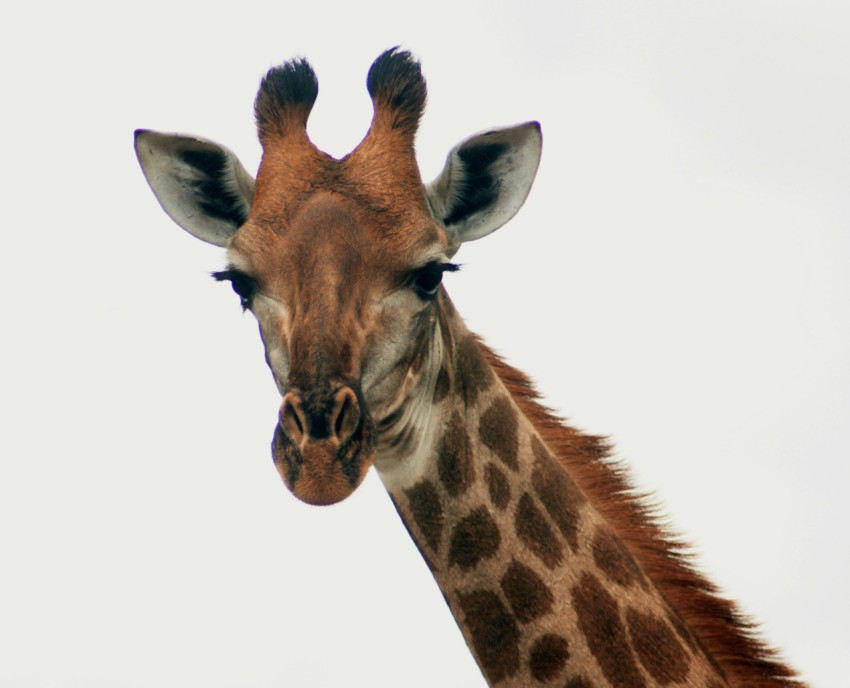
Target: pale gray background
679,279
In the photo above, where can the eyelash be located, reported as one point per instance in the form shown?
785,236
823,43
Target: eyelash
427,279
244,285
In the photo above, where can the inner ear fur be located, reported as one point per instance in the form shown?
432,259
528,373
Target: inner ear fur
485,181
200,184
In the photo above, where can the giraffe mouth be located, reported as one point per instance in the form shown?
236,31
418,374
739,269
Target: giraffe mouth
324,443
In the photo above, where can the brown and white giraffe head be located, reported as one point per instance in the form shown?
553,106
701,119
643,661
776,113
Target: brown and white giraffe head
341,260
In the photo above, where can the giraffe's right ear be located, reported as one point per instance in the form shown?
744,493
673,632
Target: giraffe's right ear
201,185
485,181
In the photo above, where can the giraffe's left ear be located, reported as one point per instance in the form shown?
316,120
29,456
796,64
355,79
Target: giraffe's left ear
485,181
200,184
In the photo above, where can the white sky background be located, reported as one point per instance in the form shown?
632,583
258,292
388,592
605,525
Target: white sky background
679,279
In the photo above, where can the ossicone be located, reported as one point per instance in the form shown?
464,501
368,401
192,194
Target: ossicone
285,98
398,91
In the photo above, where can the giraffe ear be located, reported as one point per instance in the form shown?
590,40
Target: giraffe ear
485,181
200,184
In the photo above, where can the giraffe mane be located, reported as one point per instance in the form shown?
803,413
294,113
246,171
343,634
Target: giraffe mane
728,636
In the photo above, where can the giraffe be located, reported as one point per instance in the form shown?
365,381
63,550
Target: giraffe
556,572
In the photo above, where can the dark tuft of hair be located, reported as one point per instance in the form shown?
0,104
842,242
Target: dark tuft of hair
479,187
212,185
396,84
286,97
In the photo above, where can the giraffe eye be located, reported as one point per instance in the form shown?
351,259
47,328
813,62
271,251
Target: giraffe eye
244,285
426,280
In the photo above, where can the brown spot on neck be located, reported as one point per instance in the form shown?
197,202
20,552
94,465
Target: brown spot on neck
427,510
557,492
548,656
533,530
473,372
529,597
454,460
474,539
599,620
497,486
493,632
498,431
657,647
614,560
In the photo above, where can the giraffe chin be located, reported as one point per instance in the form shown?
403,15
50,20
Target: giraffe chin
321,472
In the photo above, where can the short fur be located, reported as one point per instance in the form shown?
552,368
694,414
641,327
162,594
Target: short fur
723,630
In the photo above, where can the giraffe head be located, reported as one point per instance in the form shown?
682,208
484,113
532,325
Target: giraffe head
340,260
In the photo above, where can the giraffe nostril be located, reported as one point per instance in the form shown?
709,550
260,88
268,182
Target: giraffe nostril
291,418
346,412
304,418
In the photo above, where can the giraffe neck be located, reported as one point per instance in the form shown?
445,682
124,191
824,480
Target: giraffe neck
540,585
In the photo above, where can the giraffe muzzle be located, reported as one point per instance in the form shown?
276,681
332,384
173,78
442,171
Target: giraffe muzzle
324,443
